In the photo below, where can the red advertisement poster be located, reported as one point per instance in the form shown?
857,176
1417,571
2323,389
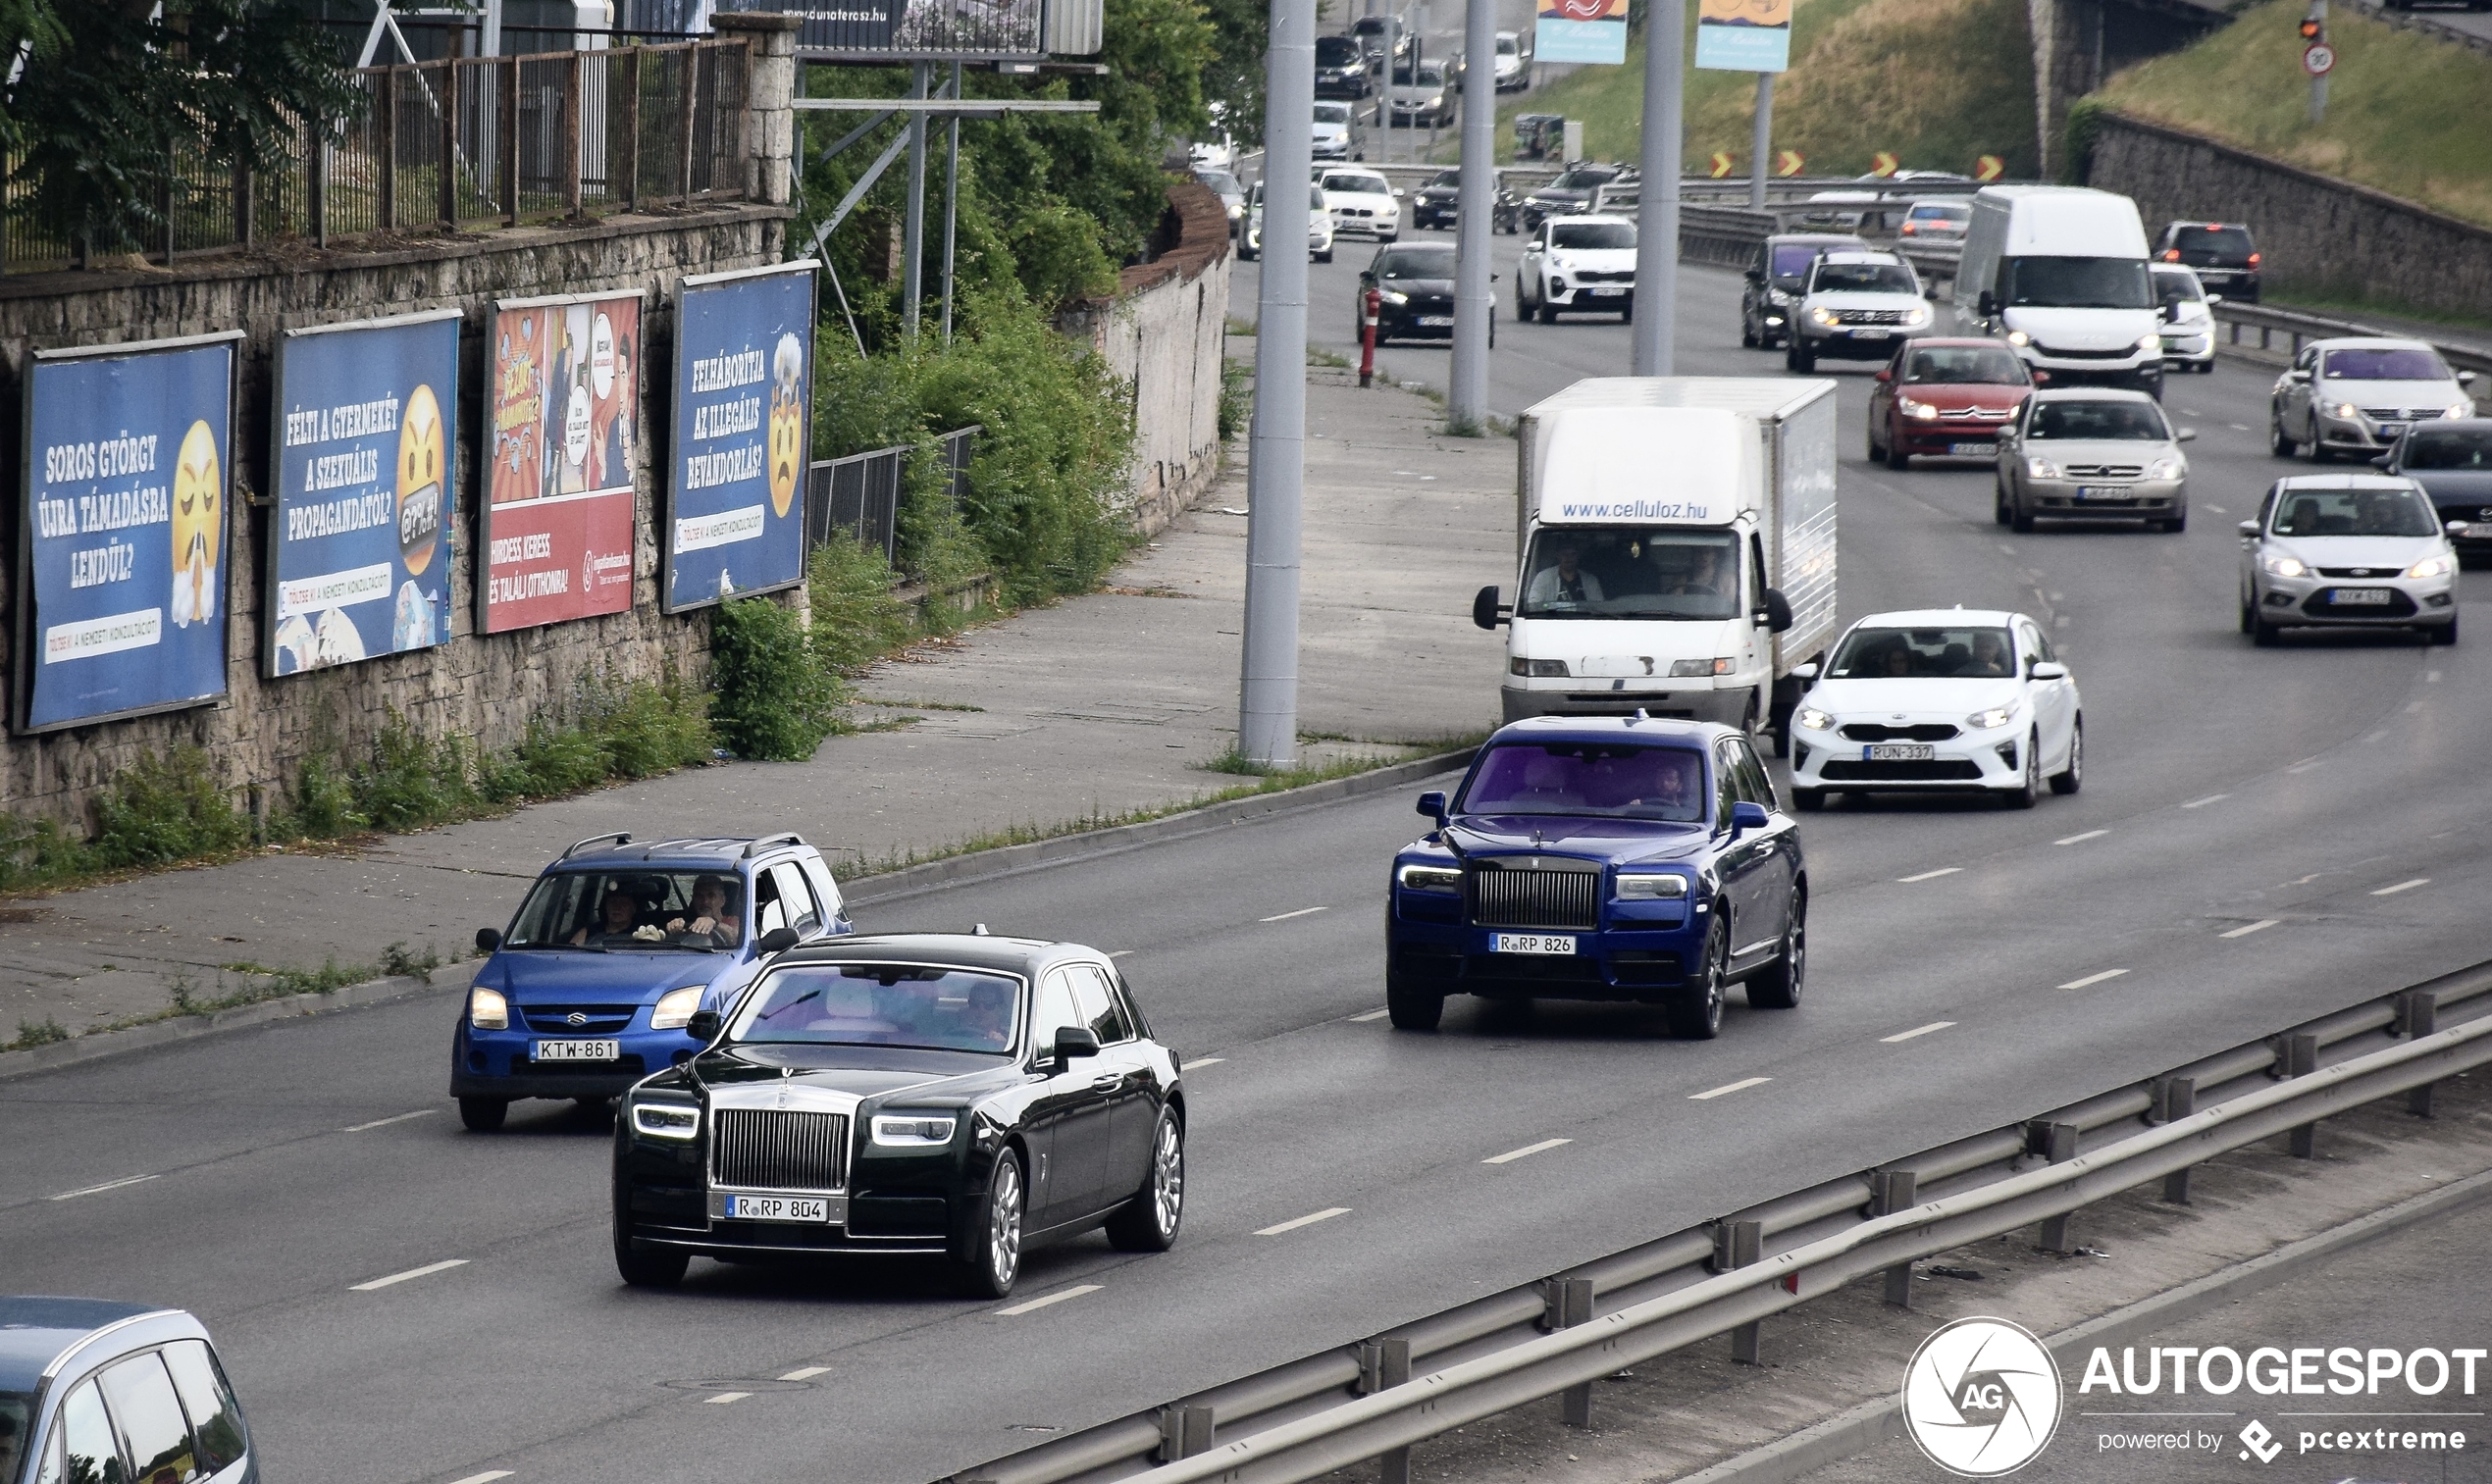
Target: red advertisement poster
563,422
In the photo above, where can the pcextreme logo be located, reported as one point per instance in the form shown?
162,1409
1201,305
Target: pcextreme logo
1981,1397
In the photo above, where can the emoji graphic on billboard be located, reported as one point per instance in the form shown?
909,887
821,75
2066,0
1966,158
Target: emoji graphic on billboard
787,421
198,525
422,455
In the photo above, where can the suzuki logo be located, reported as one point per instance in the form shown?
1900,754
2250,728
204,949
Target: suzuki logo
575,1018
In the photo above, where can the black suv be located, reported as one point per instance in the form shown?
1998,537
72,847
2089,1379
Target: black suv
1439,202
1341,68
2222,252
1775,276
1538,137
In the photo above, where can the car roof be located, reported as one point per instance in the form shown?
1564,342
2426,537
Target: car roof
1953,342
1954,203
2093,394
1933,618
1612,728
1812,239
1879,259
35,1331
2370,342
1601,218
2345,482
717,853
974,951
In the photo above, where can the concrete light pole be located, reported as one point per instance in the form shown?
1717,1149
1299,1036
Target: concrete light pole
1475,298
1276,468
1657,214
1762,146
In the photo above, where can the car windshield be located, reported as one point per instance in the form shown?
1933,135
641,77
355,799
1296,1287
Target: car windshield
2177,286
2449,449
1431,74
2376,511
1220,181
1333,113
1791,259
1315,198
1357,184
1631,572
1951,654
1582,179
1446,177
1416,263
2383,364
925,1006
2078,284
1941,211
2141,421
1967,365
1864,277
639,910
1337,52
1628,780
1587,235
1508,46
2209,244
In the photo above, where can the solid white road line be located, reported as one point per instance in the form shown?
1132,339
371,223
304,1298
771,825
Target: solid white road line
2088,835
2079,984
725,1396
1728,1087
1918,1030
2199,803
109,1185
1206,1061
1930,875
412,1272
357,1128
1511,1155
806,1373
1373,1015
1286,916
2431,676
1057,1297
2403,886
1325,1214
487,1477
2244,931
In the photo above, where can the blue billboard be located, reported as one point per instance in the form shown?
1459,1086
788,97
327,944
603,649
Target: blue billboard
122,575
358,545
743,381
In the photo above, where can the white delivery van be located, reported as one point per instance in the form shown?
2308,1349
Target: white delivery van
1676,550
2060,273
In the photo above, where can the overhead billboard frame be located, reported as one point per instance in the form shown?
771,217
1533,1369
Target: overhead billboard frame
711,458
930,31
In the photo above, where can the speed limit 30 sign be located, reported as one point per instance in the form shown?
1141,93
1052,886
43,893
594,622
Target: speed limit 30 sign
2318,59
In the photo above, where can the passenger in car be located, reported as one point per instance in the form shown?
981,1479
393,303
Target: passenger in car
618,915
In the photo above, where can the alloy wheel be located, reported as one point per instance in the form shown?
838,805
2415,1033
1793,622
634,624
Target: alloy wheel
1004,1224
1168,1179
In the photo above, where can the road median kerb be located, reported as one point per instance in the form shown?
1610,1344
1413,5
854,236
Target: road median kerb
910,881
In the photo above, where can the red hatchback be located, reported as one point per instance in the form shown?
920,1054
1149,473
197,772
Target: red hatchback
1945,398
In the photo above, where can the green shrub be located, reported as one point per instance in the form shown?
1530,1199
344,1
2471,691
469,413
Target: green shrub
772,701
856,618
161,810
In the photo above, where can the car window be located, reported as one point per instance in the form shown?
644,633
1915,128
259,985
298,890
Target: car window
1726,786
1628,780
1587,235
2177,287
88,1452
1864,277
1333,113
1448,177
2449,449
1096,1005
2076,283
2122,420
1416,263
1054,1012
1315,198
2037,644
638,910
1631,572
1219,181
2267,506
933,1007
154,1434
2378,510
769,913
2225,242
2385,364
1336,51
1134,1017
1755,785
2309,358
1967,365
1966,651
795,895
1357,184
216,1422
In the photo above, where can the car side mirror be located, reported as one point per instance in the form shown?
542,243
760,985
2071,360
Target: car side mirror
1746,816
2298,373
778,940
1432,804
1775,613
2042,378
702,1027
2384,461
2249,529
2049,669
488,940
2454,528
1486,609
1805,674
2465,378
1398,194
1886,374
2186,435
2213,299
1754,276
1074,1042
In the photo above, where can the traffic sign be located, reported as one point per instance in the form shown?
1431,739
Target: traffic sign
1788,162
2318,59
1721,163
1990,167
1883,164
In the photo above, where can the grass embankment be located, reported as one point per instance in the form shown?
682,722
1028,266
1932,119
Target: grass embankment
1938,83
2407,113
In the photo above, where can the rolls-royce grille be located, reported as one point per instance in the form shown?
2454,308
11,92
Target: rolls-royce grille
1878,732
760,1148
1503,898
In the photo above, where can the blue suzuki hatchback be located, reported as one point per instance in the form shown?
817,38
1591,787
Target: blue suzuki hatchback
1602,859
595,984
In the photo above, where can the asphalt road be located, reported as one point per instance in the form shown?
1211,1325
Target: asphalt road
2327,789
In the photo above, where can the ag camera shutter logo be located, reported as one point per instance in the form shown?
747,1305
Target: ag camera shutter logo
1981,1397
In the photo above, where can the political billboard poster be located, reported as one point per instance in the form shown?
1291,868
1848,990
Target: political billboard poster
359,544
1581,31
562,422
1744,36
941,29
743,381
122,543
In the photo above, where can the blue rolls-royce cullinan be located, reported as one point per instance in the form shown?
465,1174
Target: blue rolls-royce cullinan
1602,859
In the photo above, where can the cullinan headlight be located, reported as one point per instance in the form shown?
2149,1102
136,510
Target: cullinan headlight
913,1130
2284,566
1537,669
2041,468
1824,316
1394,296
1697,669
1651,885
1813,719
1995,717
2019,338
1914,407
666,1120
1416,878
2164,469
2429,566
487,1009
675,1009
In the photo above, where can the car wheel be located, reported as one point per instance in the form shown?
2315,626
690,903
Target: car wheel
2019,518
2207,368
994,1259
1413,1008
2176,525
1324,257
1896,458
2446,634
1522,311
1548,313
2249,612
1876,455
1747,333
1809,800
1803,359
1777,986
2072,778
1148,1223
1627,316
484,1115
1694,1013
2284,447
2023,795
2263,633
663,1268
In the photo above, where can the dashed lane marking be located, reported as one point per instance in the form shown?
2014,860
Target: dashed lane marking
2079,984
1930,875
1511,1155
1327,1214
1918,1030
1373,1015
487,1477
412,1272
2088,835
1207,1062
1286,916
725,1396
1728,1087
2246,928
95,1190
2199,803
2431,676
2403,886
357,1128
806,1373
1057,1297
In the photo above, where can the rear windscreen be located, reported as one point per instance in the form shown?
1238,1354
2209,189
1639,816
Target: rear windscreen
2227,242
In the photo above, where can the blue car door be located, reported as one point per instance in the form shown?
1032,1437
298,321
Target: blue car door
1746,864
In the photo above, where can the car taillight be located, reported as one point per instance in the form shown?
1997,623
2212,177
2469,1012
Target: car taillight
2171,254
2254,260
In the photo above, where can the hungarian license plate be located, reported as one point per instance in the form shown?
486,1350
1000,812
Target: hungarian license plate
1435,321
2477,531
2391,430
1972,450
1871,334
2360,596
1897,753
1605,293
777,1208
2104,492
578,1051
1532,942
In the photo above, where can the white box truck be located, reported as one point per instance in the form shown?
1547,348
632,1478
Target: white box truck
2059,272
1674,543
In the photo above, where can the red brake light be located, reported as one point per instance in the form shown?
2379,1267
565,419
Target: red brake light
2171,254
2254,260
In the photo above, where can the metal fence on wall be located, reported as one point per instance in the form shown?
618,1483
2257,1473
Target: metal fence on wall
460,142
860,494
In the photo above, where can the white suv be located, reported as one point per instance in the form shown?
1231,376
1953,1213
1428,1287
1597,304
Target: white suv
1575,263
1855,306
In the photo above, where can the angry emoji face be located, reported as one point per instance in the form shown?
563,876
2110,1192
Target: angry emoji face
198,525
787,421
423,459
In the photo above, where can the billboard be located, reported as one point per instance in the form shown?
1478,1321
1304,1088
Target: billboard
359,543
121,546
1745,36
1581,31
743,381
562,422
912,28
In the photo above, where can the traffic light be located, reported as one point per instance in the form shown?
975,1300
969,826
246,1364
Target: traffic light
2309,27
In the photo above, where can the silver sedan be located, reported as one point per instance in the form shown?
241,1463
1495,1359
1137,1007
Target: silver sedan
2092,454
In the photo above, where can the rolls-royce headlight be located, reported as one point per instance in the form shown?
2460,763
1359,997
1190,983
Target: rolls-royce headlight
675,1009
487,1009
1651,885
666,1120
913,1130
1418,878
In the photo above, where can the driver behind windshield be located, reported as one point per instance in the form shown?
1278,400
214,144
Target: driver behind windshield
709,917
1565,582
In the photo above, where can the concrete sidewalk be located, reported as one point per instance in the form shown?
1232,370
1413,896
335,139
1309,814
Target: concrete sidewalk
1100,704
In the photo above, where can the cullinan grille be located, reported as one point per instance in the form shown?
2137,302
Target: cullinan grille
1506,898
762,1149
